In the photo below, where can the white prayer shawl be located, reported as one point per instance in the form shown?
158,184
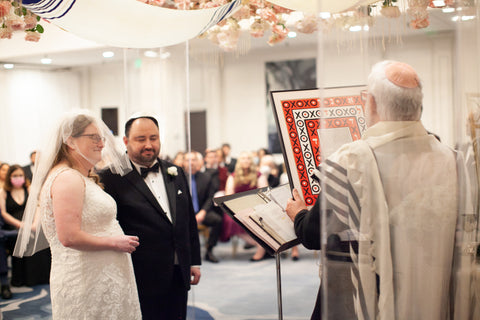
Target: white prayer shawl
401,200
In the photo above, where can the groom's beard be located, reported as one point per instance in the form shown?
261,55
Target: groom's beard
146,156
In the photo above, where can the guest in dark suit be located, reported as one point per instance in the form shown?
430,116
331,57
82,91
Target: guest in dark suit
28,169
203,186
154,203
227,159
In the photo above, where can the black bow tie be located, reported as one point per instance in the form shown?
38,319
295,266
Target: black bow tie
144,171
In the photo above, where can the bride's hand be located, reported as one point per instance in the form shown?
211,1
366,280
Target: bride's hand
126,243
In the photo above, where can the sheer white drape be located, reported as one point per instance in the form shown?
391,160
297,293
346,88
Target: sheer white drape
31,101
160,89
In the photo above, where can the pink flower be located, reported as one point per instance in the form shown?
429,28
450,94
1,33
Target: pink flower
418,11
280,29
279,33
228,39
6,33
257,3
182,4
15,23
32,36
308,24
208,5
268,15
5,7
275,38
158,3
278,9
30,22
242,13
419,23
258,27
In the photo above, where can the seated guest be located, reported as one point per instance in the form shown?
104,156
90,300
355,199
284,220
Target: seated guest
27,271
28,169
244,178
5,291
210,159
214,166
227,158
178,160
3,173
269,168
203,188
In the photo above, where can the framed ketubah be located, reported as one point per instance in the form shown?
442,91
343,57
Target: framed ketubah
310,130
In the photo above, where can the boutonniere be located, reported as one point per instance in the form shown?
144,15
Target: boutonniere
172,171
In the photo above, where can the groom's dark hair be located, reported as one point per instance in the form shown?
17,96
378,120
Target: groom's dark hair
128,124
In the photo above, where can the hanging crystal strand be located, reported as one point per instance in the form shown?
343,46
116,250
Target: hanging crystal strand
243,46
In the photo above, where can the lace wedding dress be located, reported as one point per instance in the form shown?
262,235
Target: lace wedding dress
89,284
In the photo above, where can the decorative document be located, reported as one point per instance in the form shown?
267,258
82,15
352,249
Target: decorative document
312,129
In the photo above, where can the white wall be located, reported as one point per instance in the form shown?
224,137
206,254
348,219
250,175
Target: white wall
232,92
30,103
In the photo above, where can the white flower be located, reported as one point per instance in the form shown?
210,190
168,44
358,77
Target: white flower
172,171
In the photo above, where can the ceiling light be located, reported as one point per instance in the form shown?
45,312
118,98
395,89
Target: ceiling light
8,65
438,3
108,54
46,61
164,55
292,34
454,19
355,28
466,18
448,10
150,54
366,27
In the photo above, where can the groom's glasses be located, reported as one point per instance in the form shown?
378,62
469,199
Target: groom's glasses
94,137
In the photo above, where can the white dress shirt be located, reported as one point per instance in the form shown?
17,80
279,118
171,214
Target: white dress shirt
155,183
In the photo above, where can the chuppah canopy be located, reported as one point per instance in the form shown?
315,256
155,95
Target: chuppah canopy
134,24
128,23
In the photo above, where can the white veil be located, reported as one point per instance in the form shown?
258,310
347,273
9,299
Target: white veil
30,236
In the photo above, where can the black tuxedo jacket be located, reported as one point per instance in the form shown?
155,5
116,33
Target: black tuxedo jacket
206,188
140,214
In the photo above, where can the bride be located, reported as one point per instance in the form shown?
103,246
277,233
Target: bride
92,275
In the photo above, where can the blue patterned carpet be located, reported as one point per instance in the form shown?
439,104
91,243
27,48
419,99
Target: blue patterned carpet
234,289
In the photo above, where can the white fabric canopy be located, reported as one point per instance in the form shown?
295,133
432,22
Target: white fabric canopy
129,23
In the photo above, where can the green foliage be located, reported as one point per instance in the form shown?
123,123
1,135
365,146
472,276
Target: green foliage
388,3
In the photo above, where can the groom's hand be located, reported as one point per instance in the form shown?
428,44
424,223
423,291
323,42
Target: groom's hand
195,275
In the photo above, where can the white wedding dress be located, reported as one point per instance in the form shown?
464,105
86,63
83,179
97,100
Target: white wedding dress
89,284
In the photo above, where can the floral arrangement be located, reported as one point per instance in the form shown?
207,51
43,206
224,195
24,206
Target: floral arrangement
258,16
389,10
14,17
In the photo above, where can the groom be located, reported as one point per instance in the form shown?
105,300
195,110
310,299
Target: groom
154,203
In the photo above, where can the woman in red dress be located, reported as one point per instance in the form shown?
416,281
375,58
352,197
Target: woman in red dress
244,178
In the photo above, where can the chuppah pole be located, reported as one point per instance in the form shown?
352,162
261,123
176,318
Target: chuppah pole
279,286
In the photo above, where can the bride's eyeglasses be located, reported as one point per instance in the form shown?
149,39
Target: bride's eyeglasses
94,137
